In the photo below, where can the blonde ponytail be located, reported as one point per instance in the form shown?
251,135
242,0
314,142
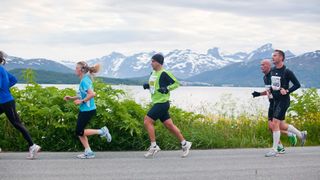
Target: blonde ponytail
94,69
85,68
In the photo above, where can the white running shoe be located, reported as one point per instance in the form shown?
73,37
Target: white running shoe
153,150
186,149
33,151
87,155
106,133
272,153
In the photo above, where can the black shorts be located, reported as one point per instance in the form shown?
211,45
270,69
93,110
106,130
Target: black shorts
160,111
83,119
270,110
280,108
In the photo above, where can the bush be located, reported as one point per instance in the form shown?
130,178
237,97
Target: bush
52,121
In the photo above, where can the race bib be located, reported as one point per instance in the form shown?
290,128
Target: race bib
276,83
152,83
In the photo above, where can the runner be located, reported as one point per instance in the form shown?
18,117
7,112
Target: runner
160,84
266,69
280,78
85,100
8,106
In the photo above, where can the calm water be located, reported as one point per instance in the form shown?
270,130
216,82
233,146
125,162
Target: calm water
204,100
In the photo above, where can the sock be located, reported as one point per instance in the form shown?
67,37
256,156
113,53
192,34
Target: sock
294,130
88,149
290,134
153,144
183,142
276,139
100,132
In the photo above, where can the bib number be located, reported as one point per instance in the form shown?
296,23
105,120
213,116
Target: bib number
152,84
276,83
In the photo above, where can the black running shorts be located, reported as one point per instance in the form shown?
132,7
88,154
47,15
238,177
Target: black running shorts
280,108
160,111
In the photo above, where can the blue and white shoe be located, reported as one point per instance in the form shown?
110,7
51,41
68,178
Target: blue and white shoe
87,155
106,133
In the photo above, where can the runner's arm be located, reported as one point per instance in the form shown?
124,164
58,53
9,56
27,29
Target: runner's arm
0,80
12,80
90,95
295,82
173,83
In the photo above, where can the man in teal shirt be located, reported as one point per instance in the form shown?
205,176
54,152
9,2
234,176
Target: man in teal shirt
161,82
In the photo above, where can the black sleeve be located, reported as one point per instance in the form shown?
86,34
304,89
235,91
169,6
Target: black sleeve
165,80
265,80
294,80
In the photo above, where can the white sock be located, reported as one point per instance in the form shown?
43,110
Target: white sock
294,130
153,144
100,132
290,134
276,139
183,142
88,149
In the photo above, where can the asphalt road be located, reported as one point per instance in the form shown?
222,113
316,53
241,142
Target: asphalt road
297,163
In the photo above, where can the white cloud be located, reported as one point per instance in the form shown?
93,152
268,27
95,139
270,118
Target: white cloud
87,29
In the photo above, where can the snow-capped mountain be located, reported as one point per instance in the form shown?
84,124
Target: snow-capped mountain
306,68
236,57
310,55
264,51
183,63
38,63
214,52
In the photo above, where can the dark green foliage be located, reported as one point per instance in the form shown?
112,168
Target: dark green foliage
52,121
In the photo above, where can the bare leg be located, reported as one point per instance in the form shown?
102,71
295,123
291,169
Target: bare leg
173,129
149,125
90,132
84,141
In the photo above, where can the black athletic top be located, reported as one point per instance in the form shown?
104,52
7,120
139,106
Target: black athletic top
267,83
280,78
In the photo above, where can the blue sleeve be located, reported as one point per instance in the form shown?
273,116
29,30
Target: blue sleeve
12,80
86,84
1,76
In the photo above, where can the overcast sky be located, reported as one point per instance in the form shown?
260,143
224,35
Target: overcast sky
81,29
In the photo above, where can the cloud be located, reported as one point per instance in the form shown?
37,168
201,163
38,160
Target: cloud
32,28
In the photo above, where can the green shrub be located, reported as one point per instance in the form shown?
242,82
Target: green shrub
52,121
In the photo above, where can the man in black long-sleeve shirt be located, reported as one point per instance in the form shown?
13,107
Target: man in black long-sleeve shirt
280,79
266,70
